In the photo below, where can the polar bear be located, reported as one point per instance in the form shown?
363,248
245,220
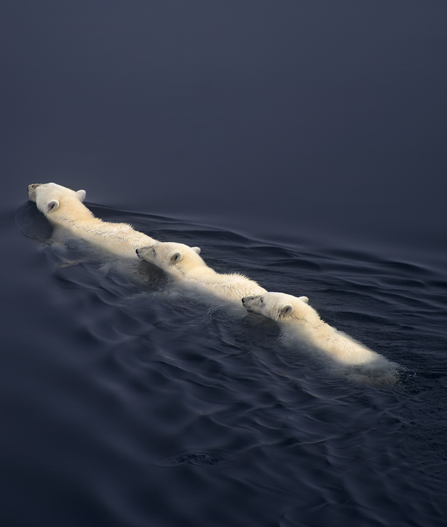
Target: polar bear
300,322
72,220
185,265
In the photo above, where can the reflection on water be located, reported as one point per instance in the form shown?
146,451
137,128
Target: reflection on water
132,405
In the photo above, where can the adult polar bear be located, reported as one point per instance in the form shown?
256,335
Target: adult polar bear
71,219
300,322
186,266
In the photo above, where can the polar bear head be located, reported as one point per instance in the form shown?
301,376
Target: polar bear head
281,307
50,196
174,258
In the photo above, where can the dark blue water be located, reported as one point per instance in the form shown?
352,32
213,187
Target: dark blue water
122,406
301,144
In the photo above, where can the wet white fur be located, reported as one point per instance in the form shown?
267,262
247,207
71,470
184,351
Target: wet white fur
184,264
71,219
299,321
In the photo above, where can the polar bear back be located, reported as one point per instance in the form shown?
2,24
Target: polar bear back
301,323
71,219
229,286
185,265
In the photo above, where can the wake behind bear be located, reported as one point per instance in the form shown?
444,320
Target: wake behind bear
185,265
301,324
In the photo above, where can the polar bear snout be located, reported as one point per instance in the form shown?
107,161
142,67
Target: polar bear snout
249,302
248,299
32,190
142,252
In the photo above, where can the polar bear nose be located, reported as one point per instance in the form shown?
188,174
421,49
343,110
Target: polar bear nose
140,251
247,299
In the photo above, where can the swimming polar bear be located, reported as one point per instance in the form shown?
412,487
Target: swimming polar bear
300,322
72,220
185,265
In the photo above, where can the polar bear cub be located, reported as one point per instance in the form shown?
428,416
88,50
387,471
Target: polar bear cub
70,219
184,263
299,321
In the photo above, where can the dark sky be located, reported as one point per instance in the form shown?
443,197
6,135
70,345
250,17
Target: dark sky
287,117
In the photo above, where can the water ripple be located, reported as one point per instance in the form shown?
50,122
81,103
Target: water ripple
158,403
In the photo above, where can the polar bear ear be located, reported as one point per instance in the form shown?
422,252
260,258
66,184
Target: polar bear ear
303,299
285,310
196,249
176,257
81,195
52,206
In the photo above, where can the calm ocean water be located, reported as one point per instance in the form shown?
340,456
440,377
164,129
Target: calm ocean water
123,406
301,143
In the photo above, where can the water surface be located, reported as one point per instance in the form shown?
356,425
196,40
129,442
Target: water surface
301,143
130,407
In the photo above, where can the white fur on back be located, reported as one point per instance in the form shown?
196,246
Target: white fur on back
229,286
338,345
192,271
72,219
300,322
